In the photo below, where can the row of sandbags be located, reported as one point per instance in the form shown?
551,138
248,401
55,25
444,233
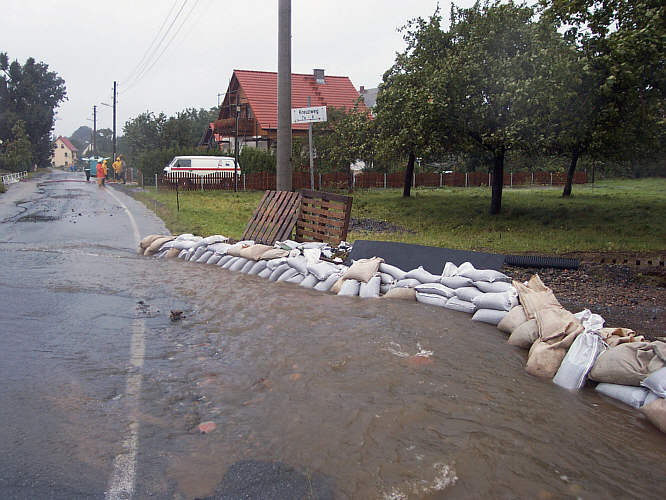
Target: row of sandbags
572,348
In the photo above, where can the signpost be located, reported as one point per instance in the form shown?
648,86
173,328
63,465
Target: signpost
309,115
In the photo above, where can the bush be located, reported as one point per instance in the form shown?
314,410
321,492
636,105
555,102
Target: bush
256,160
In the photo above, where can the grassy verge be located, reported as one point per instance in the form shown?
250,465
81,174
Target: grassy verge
615,215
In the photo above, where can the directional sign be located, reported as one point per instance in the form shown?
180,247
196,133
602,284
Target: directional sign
308,115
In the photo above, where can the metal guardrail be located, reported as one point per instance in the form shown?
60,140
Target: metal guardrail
12,178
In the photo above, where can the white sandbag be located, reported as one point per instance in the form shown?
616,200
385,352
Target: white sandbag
313,244
309,281
504,301
350,288
198,253
325,285
182,254
190,253
591,322
299,263
431,299
162,253
407,283
491,316
223,260
456,282
168,245
468,293
238,264
257,267
322,269
188,236
628,394
460,305
230,262
436,289
370,290
185,244
494,287
289,273
512,320
386,278
578,361
422,275
273,264
384,288
651,396
312,255
277,272
215,238
203,258
450,269
214,259
489,275
290,244
296,279
248,265
265,273
396,272
656,382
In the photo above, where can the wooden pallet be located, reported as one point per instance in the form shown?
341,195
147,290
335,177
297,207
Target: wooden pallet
323,217
274,218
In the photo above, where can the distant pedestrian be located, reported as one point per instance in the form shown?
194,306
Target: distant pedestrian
101,173
117,169
122,167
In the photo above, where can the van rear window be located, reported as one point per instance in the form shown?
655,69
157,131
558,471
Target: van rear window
183,163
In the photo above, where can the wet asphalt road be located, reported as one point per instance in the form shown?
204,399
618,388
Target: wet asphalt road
68,315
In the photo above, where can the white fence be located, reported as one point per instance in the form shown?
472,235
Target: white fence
12,178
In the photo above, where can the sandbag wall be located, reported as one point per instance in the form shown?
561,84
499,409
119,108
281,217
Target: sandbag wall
569,348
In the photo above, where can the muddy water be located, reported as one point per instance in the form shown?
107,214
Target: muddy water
330,385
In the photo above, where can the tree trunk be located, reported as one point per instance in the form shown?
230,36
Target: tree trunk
572,168
498,182
350,179
406,191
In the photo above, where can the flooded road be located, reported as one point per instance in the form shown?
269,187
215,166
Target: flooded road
323,391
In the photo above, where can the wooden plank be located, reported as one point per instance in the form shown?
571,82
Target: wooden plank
309,210
330,205
314,222
262,219
323,195
272,217
323,217
253,219
287,218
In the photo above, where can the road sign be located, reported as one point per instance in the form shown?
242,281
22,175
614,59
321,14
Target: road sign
308,115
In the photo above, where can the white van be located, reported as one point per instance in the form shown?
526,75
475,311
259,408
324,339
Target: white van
202,165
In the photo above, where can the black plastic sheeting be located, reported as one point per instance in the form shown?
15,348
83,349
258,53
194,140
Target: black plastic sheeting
537,261
407,256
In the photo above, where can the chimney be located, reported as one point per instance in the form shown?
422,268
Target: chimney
361,90
319,76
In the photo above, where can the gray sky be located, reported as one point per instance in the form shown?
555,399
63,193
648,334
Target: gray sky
92,43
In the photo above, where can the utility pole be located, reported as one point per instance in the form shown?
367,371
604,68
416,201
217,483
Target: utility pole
114,120
236,145
284,181
95,130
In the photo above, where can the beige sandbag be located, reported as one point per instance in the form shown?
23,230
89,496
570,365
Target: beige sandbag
617,336
656,413
157,243
172,253
512,320
629,363
536,284
363,269
525,334
235,250
401,293
274,253
557,322
337,285
255,251
534,301
544,359
145,243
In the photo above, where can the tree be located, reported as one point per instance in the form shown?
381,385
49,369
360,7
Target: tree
30,93
16,155
617,109
81,136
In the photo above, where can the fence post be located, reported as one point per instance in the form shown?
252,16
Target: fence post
384,180
488,179
440,179
243,182
551,178
414,179
466,180
511,179
201,179
532,184
155,182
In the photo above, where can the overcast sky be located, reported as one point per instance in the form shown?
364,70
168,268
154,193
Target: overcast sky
91,43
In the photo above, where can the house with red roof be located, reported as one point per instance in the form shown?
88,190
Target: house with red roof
64,153
254,95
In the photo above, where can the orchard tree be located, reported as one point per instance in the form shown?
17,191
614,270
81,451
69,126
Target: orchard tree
29,93
16,154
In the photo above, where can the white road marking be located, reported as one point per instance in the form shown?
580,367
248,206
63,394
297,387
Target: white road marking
123,477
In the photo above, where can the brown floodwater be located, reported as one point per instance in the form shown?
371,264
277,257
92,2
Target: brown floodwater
385,399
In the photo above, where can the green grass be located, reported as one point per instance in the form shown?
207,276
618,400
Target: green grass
614,215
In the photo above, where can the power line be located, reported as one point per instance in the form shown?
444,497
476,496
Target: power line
143,71
132,73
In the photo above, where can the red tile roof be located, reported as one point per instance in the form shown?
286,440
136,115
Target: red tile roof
67,143
260,88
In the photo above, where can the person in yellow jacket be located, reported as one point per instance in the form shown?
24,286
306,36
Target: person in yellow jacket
117,169
105,171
